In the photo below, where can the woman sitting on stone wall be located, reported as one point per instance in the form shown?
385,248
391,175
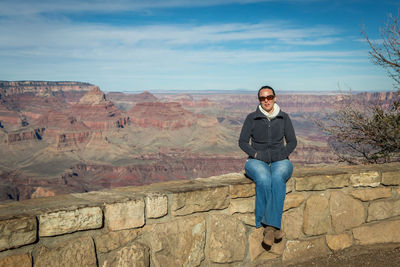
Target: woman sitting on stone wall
268,164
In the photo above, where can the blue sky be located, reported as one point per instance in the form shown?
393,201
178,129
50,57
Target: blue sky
155,45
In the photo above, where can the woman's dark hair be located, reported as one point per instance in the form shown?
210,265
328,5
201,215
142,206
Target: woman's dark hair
266,87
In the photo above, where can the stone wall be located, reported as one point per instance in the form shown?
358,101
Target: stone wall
204,222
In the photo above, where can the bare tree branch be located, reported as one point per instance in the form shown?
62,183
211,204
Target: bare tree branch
387,54
370,133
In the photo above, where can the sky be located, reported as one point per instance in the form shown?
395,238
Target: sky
156,45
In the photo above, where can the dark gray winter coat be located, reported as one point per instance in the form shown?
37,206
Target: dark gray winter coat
267,137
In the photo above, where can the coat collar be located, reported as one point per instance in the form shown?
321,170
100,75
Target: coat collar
259,115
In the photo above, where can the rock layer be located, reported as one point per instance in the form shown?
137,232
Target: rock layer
204,222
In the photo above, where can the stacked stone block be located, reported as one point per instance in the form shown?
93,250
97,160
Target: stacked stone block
204,222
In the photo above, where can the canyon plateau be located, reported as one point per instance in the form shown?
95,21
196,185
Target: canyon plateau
64,137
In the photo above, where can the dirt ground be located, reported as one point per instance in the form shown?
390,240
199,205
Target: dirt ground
387,255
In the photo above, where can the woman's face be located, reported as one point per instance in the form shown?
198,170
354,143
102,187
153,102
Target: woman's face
266,104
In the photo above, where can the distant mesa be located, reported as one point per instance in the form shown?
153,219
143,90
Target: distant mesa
184,97
12,88
135,98
146,97
169,115
94,96
188,101
181,98
97,112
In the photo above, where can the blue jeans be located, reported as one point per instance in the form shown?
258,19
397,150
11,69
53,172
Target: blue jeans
270,182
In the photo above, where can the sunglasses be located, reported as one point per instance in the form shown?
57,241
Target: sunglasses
268,97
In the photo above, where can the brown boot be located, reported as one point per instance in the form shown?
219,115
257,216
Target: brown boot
269,235
278,234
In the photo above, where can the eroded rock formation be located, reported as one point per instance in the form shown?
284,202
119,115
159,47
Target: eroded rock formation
160,115
60,137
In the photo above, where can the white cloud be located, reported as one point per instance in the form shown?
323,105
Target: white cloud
29,7
38,33
234,54
160,48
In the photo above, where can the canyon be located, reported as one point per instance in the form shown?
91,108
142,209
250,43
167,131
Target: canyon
71,137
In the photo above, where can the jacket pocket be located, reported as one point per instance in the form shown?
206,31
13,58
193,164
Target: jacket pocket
278,154
264,156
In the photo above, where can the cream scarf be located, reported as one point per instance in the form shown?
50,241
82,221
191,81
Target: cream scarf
274,113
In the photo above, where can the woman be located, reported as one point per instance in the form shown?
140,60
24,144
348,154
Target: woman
268,165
